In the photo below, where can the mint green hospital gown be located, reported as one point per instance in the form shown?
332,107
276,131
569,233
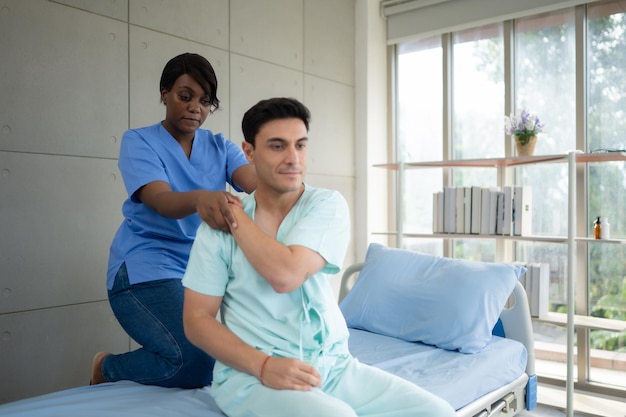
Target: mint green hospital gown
305,324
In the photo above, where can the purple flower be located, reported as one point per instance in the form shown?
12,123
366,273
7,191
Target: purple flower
523,126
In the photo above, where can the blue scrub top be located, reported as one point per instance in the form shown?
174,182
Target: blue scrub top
155,247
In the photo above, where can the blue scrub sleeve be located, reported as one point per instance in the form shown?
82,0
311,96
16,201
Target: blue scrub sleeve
139,164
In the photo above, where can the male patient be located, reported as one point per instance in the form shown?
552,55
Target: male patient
283,347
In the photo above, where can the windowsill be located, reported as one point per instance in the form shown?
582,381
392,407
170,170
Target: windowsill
588,322
600,359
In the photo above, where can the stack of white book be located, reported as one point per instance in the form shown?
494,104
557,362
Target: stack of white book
536,282
483,210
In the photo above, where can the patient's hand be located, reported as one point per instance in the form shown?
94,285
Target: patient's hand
286,373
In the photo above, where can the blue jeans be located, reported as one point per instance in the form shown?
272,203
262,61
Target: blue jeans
152,314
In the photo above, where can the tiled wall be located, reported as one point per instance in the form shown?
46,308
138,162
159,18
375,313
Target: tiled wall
74,75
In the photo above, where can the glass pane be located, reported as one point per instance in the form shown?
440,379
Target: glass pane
606,112
549,185
606,81
420,130
556,256
478,93
550,351
545,76
419,118
417,199
432,246
483,250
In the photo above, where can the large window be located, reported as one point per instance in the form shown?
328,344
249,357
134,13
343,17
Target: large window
569,67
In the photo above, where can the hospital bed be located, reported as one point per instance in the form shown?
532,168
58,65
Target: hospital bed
495,379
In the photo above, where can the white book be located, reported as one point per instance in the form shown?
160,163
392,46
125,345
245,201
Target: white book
543,290
440,209
435,213
533,289
438,212
522,210
485,205
507,224
476,209
499,212
467,204
493,209
460,210
449,211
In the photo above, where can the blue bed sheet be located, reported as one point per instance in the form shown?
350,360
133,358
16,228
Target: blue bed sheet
123,398
456,377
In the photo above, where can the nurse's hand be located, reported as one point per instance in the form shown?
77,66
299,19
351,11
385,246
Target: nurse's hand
286,373
214,208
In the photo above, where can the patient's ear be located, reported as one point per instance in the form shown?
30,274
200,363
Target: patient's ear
248,150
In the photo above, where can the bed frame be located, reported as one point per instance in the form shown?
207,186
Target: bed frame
516,324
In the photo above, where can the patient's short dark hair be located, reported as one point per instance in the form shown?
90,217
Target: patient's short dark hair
271,109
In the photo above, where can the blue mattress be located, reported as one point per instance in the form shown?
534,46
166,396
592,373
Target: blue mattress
456,377
120,399
459,378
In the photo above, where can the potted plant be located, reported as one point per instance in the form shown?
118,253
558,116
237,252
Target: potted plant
524,129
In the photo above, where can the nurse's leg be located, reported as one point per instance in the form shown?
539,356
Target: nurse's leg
151,313
372,392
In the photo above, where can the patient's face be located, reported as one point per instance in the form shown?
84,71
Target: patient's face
280,154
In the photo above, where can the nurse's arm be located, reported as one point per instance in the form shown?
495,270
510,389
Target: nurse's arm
205,331
213,207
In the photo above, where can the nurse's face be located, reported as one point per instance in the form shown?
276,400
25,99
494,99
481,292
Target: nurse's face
187,107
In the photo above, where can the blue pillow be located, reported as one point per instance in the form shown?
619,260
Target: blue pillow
449,303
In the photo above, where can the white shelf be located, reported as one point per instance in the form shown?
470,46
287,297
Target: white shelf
547,239
507,161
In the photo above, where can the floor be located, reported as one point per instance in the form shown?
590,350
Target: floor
546,411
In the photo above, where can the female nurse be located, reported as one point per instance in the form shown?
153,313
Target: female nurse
175,174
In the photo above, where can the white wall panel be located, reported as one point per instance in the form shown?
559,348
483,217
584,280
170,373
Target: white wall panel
117,9
150,51
253,80
204,21
329,39
49,350
331,150
270,30
58,215
64,87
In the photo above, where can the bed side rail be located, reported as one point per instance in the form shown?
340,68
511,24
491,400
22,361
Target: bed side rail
518,324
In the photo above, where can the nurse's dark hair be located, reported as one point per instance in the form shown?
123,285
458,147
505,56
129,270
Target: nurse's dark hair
271,109
195,66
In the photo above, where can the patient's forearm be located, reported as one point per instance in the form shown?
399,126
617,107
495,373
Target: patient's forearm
218,341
